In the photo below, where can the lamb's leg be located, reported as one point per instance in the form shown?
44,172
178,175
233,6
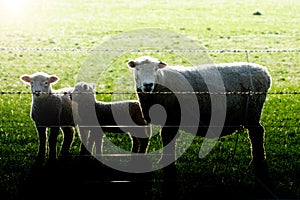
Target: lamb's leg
135,144
68,139
145,142
54,131
95,141
256,136
135,134
260,172
140,138
84,134
42,142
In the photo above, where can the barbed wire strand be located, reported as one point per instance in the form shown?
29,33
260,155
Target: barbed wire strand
22,124
151,50
131,93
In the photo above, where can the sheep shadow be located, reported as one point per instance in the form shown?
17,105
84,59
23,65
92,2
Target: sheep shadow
82,177
89,178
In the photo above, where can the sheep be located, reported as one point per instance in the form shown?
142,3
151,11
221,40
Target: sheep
96,117
50,109
172,88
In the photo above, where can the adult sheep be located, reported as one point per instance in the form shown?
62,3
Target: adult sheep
95,117
50,109
173,88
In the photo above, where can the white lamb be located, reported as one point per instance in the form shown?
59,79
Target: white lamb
50,109
198,100
95,117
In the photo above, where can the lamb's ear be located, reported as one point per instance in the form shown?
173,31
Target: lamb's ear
161,65
93,86
85,86
25,78
131,64
53,79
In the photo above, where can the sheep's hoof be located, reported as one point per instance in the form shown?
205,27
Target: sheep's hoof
40,156
260,170
39,161
67,153
85,152
65,158
258,164
262,178
52,159
165,161
140,161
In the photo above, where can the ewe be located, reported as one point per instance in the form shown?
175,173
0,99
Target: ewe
50,109
154,80
96,117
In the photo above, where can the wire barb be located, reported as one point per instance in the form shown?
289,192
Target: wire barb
166,93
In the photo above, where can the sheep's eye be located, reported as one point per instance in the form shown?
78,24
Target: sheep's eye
46,82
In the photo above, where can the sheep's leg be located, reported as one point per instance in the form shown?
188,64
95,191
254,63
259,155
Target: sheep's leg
140,139
135,144
144,142
135,134
90,141
256,136
84,133
169,135
42,142
54,131
95,141
68,139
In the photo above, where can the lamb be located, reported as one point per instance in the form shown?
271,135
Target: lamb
96,117
207,100
50,109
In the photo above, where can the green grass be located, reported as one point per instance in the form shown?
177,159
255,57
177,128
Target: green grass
84,25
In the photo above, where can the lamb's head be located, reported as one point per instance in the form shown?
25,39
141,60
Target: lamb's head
83,92
146,70
40,82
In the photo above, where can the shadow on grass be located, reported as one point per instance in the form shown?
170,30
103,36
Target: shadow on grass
88,178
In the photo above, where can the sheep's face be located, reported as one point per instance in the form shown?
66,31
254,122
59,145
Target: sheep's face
146,70
83,92
40,82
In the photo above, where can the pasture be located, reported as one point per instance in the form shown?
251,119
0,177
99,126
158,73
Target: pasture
58,37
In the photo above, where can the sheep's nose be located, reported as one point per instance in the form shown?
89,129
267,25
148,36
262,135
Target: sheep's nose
37,92
148,87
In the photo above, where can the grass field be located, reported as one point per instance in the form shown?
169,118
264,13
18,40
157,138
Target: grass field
49,30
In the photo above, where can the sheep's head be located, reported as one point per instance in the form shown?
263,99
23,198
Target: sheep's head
146,69
83,92
40,82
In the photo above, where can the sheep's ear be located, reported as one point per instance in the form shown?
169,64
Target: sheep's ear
53,79
25,78
131,64
161,64
93,85
85,86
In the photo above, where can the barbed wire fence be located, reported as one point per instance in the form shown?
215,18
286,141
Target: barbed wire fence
231,155
246,51
122,50
150,50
